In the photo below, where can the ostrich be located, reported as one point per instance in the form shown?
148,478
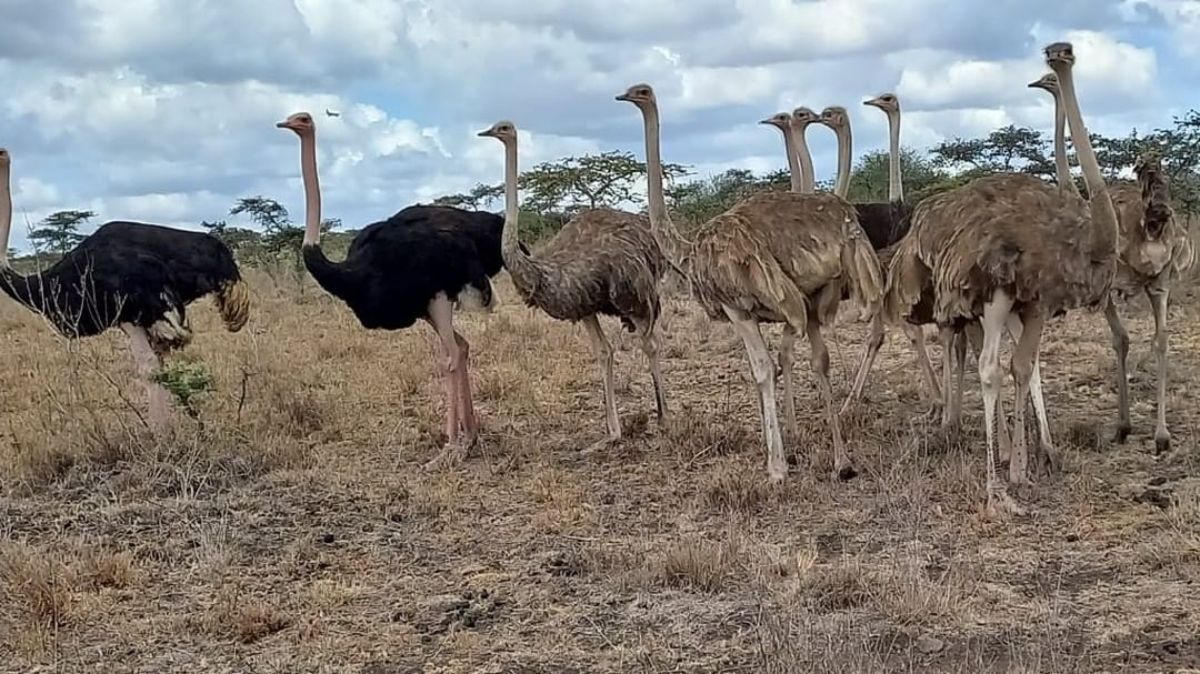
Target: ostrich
1011,250
418,264
133,276
603,261
885,224
1153,249
776,257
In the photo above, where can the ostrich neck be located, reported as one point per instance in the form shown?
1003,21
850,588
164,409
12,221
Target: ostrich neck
895,186
794,173
661,226
312,190
808,179
1104,216
842,186
520,266
1062,168
5,214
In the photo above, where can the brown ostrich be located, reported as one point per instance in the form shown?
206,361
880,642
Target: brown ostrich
1153,249
780,257
603,261
885,224
1011,250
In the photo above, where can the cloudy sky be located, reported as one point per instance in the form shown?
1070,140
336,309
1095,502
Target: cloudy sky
164,110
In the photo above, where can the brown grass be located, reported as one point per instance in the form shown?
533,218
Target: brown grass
291,526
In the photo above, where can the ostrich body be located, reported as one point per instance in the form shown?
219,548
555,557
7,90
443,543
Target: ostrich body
1153,250
602,262
134,276
416,265
885,224
782,257
1011,251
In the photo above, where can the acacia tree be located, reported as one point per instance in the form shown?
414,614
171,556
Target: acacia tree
59,231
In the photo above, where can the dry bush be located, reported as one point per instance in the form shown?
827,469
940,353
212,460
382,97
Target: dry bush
735,488
99,568
37,590
696,564
233,615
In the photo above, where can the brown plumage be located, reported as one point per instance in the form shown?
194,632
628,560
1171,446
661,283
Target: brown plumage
1155,249
775,257
603,261
1011,251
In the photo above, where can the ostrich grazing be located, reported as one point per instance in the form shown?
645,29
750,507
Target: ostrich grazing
133,276
1153,250
1011,250
418,264
885,223
603,261
776,257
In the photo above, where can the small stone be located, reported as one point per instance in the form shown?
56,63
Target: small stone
327,538
930,645
1072,538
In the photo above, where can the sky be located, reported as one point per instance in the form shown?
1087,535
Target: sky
164,111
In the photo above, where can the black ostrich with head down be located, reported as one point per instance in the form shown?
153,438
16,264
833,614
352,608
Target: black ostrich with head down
130,275
417,264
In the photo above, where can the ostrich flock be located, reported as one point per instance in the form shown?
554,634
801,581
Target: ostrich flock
1002,253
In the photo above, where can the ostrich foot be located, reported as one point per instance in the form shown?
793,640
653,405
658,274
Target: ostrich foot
1162,443
1122,433
1000,506
452,454
844,473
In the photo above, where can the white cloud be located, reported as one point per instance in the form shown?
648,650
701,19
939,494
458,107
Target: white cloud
165,111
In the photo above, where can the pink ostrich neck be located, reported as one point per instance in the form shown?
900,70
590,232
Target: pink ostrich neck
510,236
5,213
312,189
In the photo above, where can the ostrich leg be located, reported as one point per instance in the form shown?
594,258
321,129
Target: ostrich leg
650,343
441,313
604,353
787,352
145,363
763,370
843,468
995,313
916,337
1045,444
1120,342
470,423
874,341
1158,292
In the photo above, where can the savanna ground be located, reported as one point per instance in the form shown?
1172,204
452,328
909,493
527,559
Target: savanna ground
290,526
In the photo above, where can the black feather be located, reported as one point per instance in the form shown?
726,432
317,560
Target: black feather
394,267
885,222
125,272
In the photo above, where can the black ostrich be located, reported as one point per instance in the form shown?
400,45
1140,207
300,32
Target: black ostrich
417,264
137,277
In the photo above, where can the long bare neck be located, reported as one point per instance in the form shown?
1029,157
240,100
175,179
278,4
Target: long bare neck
895,186
519,265
808,183
841,187
5,214
1104,216
312,190
1062,168
794,172
661,226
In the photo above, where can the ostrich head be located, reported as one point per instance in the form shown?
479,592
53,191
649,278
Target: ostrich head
641,95
886,102
779,121
802,117
835,117
4,158
300,122
1060,55
1047,82
1156,192
503,130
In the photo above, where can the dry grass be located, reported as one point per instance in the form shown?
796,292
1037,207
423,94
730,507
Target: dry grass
291,527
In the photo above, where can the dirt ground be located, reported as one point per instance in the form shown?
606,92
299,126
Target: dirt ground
289,526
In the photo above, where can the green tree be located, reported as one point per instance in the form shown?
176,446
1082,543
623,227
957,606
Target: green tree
479,197
591,181
59,232
869,179
1008,148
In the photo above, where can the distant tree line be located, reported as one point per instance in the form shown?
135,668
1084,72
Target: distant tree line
553,191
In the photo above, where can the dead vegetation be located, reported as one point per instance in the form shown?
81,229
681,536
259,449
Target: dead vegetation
289,525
